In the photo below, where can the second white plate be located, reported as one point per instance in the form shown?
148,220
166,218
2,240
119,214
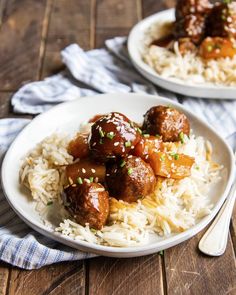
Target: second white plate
135,48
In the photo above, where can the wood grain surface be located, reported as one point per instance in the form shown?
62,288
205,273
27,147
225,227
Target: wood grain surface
32,33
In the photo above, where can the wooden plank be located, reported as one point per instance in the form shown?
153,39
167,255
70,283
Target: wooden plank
190,272
70,22
142,275
115,18
64,278
21,29
6,108
233,228
4,276
153,6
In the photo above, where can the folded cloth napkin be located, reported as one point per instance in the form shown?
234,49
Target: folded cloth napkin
97,71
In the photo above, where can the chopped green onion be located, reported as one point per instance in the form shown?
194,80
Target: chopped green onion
181,137
162,157
157,135
197,167
223,17
101,133
93,230
91,179
161,252
110,135
49,203
175,155
209,48
127,144
101,141
79,180
146,135
130,170
139,130
131,124
122,164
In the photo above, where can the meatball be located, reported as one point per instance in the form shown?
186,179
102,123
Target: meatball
130,179
88,203
113,135
192,26
186,7
166,122
222,21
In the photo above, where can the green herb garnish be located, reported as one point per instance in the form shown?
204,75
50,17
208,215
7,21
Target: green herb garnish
127,144
146,135
122,164
227,1
209,48
162,157
130,170
139,130
91,179
111,135
101,133
175,155
161,253
181,137
49,203
79,180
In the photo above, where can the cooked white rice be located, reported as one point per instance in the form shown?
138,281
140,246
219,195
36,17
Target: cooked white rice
189,67
174,207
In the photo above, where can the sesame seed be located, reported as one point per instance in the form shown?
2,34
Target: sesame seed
83,170
93,170
116,143
96,179
70,180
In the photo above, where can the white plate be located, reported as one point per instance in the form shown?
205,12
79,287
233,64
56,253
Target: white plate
135,48
67,117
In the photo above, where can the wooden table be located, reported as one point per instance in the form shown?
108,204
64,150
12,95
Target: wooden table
32,33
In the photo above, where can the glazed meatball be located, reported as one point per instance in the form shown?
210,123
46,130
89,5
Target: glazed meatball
166,122
186,7
130,179
88,203
113,135
192,26
222,21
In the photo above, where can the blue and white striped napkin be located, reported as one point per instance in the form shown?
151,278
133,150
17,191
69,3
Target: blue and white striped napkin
97,71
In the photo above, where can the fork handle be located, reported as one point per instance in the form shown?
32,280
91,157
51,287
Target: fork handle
214,241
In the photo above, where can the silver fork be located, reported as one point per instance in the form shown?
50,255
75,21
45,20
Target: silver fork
215,239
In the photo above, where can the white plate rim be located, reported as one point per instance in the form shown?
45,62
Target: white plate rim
108,250
180,87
